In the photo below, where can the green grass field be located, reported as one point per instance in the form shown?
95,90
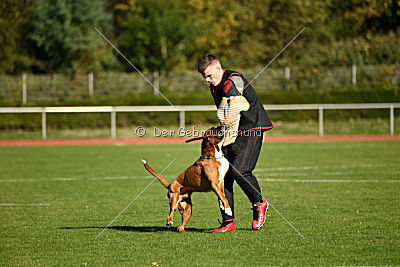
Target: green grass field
342,196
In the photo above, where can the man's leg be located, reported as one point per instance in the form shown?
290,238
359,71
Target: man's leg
244,157
246,151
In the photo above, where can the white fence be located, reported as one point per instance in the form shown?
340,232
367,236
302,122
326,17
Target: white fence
39,87
182,109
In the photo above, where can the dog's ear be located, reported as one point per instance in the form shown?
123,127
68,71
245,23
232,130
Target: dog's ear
206,142
217,148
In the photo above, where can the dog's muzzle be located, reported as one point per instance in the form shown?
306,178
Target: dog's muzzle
220,132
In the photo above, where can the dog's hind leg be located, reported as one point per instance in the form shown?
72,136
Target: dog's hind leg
173,204
174,199
185,208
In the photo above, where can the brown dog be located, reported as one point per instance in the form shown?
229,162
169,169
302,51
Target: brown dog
206,174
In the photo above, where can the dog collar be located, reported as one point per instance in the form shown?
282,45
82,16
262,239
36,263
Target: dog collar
211,157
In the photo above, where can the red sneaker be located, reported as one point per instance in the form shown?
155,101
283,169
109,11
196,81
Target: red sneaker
259,211
226,226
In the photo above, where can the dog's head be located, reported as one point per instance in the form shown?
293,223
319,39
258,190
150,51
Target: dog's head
212,136
211,141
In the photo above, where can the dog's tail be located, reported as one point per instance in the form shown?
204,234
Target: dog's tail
158,176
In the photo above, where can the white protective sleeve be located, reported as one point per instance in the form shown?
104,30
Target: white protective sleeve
229,115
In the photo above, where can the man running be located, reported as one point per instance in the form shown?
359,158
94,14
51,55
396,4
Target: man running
244,120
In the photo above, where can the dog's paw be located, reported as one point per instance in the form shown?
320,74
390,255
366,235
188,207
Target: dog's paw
228,211
181,230
169,223
221,205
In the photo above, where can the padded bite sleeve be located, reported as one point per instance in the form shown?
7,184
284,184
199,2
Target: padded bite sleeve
229,116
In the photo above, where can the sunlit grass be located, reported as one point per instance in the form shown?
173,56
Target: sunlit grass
351,220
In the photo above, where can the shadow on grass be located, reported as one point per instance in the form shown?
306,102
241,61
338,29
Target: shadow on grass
142,229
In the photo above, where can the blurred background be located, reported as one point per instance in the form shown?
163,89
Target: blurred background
51,55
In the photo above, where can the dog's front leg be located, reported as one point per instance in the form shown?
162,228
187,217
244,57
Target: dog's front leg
222,199
218,190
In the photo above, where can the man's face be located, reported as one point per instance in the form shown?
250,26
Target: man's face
213,74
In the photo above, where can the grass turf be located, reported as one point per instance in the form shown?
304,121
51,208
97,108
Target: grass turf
342,196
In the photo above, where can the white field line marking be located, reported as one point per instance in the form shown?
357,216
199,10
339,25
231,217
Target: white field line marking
68,179
144,77
19,180
321,167
257,172
19,204
64,179
294,174
263,177
134,199
359,172
326,181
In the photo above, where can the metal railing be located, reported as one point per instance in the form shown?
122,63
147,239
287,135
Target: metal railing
30,88
182,109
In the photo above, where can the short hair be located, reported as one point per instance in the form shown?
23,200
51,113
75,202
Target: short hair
206,61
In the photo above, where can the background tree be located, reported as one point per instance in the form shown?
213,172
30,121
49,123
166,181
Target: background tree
58,36
62,36
156,34
14,15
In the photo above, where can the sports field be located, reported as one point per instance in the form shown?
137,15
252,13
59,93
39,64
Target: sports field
342,196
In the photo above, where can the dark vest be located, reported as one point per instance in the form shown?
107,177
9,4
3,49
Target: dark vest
256,117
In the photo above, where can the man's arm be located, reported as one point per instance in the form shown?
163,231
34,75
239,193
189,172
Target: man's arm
233,102
233,86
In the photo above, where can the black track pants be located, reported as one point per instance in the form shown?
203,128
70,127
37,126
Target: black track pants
242,156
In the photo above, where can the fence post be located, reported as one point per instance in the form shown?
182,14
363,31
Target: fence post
44,134
321,121
182,119
156,82
113,123
24,95
391,119
287,77
90,83
354,75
